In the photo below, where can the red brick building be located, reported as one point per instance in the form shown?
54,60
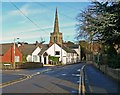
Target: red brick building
7,53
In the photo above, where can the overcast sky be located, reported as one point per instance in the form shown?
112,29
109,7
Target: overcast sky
35,20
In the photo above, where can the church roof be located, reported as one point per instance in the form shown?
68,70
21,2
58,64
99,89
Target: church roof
56,25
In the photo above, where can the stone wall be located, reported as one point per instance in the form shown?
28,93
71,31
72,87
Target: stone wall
114,73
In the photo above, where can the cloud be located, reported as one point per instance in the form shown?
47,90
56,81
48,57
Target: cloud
26,9
23,9
24,35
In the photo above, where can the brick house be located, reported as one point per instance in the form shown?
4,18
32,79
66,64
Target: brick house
7,53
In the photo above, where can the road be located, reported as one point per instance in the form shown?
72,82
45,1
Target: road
59,80
10,77
64,79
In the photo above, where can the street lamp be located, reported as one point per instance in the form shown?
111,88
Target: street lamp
14,53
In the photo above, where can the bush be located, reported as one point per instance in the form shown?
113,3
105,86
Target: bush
114,61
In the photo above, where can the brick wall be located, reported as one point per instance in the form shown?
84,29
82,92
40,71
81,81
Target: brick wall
9,55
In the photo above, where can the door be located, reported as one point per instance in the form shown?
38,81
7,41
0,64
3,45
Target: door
44,60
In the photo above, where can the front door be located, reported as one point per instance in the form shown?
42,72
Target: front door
45,60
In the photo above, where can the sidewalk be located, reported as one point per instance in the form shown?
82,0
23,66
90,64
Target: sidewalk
97,82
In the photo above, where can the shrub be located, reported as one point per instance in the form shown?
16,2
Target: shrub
114,61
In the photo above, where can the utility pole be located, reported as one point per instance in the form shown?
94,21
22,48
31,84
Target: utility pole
61,50
14,65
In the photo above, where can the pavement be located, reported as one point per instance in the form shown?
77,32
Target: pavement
98,82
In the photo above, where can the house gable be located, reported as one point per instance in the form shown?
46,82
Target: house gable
7,54
51,50
36,51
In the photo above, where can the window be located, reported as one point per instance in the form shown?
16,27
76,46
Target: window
34,58
17,59
57,52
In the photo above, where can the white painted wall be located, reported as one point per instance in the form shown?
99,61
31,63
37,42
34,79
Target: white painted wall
35,57
78,52
67,58
29,58
36,51
55,47
42,59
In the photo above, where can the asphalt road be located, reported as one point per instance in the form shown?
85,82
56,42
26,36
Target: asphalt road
59,80
10,77
64,79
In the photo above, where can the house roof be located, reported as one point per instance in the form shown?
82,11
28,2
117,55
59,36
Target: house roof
27,49
44,48
5,47
75,46
67,49
71,45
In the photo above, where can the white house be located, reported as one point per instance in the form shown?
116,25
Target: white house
30,51
65,54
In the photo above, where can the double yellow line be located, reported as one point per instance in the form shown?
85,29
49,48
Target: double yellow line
25,77
15,81
82,89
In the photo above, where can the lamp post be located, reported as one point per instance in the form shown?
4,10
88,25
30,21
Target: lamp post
14,53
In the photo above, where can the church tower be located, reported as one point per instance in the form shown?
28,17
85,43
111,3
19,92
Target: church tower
56,36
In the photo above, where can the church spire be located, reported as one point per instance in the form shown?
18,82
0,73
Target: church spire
56,26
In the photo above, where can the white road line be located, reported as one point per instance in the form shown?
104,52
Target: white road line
64,74
73,91
78,70
79,88
77,75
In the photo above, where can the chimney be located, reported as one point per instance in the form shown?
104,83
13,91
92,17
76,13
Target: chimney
22,44
37,43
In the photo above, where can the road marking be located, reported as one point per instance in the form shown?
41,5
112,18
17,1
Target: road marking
79,88
77,75
73,91
26,77
78,81
15,81
63,74
81,83
78,70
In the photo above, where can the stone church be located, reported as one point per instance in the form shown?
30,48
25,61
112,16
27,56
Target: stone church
56,36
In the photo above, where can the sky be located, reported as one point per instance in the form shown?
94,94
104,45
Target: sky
34,21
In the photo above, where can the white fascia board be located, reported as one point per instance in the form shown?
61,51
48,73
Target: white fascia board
36,51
